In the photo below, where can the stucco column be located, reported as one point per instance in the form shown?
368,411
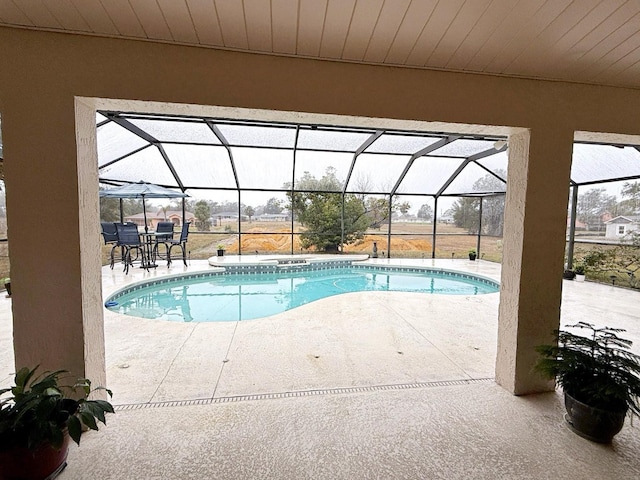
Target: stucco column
53,229
533,253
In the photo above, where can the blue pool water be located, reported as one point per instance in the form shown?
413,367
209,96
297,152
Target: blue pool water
232,297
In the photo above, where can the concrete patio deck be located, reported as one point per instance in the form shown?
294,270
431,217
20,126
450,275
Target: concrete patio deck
362,385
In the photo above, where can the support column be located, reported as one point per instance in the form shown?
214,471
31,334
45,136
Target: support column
52,212
533,255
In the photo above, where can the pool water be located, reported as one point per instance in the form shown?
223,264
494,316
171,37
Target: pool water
232,297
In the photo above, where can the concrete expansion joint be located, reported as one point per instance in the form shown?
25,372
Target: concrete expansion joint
304,393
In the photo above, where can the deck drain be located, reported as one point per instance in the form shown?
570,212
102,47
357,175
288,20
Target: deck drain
303,393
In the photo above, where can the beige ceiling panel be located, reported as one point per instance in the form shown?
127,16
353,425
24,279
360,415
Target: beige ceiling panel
609,50
458,30
617,60
487,24
527,34
336,27
231,18
152,19
443,15
285,25
96,16
124,18
391,16
258,20
587,25
311,25
628,76
505,36
12,15
205,21
579,53
178,18
67,15
365,18
411,28
536,58
39,14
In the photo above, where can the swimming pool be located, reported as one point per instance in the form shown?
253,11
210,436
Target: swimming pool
211,297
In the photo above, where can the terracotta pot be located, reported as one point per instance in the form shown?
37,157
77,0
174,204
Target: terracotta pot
593,423
24,464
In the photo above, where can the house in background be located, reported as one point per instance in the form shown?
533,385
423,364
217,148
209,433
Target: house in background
622,225
174,216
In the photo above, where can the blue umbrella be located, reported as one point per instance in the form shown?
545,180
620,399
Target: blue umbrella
143,190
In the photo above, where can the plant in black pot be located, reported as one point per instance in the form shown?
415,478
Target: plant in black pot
37,418
472,254
599,376
220,249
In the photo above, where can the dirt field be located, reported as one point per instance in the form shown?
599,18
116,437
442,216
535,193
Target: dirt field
409,240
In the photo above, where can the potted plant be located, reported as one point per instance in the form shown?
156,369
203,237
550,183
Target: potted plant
220,249
7,285
580,273
37,419
599,376
569,274
472,254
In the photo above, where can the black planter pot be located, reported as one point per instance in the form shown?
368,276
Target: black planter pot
593,423
220,252
472,256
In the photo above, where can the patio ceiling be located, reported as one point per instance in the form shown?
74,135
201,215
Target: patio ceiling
197,153
587,41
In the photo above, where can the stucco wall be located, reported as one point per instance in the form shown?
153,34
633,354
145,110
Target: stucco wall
51,169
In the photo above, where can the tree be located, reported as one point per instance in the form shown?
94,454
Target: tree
466,210
631,192
425,212
203,215
592,204
249,212
273,206
318,206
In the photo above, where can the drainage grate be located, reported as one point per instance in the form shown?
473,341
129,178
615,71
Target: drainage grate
301,393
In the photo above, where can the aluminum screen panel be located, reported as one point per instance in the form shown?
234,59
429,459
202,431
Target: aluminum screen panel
253,136
201,166
177,131
592,163
428,174
115,141
331,140
263,168
406,144
376,173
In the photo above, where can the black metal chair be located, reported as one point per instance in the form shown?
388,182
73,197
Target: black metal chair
129,239
110,236
164,235
180,242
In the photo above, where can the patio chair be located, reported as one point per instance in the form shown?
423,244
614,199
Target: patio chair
164,235
180,242
110,236
129,239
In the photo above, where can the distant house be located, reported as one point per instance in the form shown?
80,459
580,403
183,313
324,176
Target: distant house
174,216
620,226
273,217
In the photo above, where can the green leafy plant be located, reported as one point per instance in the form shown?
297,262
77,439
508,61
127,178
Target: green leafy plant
579,270
472,251
37,410
598,369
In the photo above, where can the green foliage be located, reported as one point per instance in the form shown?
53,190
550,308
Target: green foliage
598,369
203,215
38,411
273,206
466,210
249,212
425,212
320,211
623,261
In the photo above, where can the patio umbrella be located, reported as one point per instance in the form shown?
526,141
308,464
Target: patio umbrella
142,190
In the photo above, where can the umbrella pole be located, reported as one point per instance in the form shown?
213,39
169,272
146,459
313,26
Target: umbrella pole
144,214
